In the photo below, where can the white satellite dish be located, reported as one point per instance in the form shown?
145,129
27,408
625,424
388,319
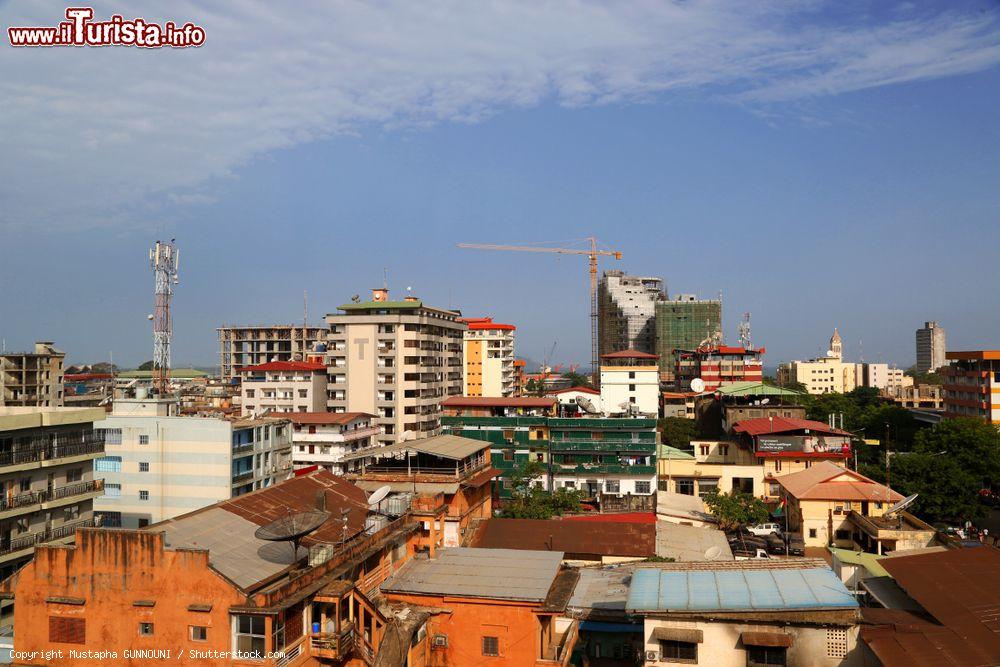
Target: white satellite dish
712,553
902,504
697,385
378,495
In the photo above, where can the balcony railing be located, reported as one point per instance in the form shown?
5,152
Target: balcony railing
42,449
332,645
31,498
22,542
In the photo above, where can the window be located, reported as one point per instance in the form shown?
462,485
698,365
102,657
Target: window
812,532
724,450
199,633
704,449
843,534
675,651
108,464
539,435
706,486
508,455
112,490
143,439
112,436
491,646
143,523
143,466
631,375
67,630
25,484
143,495
145,629
250,634
685,486
642,487
631,387
612,486
836,643
74,475
250,393
569,484
766,656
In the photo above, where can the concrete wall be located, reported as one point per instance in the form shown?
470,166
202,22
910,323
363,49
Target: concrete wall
639,385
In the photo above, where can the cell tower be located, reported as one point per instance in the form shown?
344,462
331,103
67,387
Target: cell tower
744,329
163,259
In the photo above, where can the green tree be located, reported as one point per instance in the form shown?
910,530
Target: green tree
531,387
529,501
147,366
678,431
736,509
577,379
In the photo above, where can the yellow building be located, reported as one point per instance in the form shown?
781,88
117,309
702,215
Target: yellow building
834,506
488,358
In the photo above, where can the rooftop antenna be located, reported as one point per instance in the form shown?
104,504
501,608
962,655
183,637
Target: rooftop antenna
385,277
305,315
744,329
164,261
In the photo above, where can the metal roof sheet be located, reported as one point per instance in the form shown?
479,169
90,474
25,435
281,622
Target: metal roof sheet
453,447
498,574
737,588
572,537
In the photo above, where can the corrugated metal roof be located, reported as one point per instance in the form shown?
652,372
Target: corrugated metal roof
737,588
829,481
751,388
866,560
572,537
498,402
767,425
409,487
453,447
497,574
691,543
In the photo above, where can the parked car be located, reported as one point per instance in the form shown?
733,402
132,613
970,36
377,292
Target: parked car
759,553
763,529
776,544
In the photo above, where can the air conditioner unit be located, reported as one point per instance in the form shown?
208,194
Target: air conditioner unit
652,656
439,641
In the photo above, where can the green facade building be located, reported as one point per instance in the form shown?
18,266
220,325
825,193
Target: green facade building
684,324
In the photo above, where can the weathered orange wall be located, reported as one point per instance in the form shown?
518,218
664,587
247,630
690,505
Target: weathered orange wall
110,570
471,619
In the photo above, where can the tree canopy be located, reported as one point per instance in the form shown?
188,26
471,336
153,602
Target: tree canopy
146,366
530,501
577,379
736,509
678,431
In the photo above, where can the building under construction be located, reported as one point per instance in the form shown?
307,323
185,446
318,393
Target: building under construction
685,323
32,379
241,346
626,308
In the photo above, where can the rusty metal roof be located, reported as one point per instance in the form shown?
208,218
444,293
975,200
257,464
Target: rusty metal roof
960,588
575,538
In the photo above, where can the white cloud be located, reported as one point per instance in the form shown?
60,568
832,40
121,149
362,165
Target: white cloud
91,135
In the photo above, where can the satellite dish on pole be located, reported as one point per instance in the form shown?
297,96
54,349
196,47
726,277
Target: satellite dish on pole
712,553
697,385
377,496
292,528
902,504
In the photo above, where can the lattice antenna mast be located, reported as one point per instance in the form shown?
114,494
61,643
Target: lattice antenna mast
163,260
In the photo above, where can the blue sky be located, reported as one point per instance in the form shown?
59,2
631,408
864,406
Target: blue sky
819,167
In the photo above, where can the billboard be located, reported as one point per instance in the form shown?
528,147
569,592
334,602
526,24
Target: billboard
807,444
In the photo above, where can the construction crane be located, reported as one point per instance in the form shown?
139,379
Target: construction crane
592,254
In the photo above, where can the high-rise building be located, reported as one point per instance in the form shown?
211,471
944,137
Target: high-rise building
32,379
489,358
47,478
394,359
626,312
930,348
972,385
685,323
158,465
241,346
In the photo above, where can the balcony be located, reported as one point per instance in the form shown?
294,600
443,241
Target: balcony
241,476
602,469
332,645
24,542
32,501
41,450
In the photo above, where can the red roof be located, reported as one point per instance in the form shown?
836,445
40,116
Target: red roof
630,354
520,362
679,394
627,517
767,425
83,377
497,402
828,481
285,366
584,390
485,323
573,538
325,417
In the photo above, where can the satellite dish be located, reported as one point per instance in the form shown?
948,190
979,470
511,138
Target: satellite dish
378,495
586,404
765,401
292,528
697,385
356,298
712,553
902,504
149,317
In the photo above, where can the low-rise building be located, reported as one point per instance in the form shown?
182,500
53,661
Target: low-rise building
918,396
834,506
718,366
496,606
570,403
680,404
488,355
158,464
32,379
219,585
789,612
47,480
322,439
972,385
283,386
630,384
451,474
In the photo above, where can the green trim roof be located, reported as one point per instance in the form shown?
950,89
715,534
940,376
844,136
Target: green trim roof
179,373
376,305
672,453
862,558
751,388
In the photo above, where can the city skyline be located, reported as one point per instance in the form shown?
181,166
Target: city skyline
815,188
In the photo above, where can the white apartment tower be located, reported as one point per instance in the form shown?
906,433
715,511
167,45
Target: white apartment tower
626,312
394,359
488,352
930,348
